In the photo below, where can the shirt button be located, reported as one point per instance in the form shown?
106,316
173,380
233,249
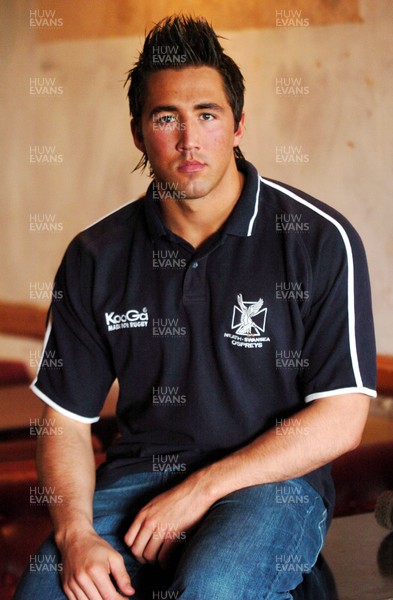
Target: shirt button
195,265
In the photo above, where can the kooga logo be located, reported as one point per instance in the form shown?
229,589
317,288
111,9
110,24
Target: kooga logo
132,318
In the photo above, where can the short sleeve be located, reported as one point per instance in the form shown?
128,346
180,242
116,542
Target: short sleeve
75,371
339,341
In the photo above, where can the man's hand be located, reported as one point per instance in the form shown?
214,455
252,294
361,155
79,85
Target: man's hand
165,521
66,462
88,562
334,426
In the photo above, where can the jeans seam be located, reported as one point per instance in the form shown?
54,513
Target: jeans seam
308,513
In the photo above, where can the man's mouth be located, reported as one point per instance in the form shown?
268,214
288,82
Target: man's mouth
190,166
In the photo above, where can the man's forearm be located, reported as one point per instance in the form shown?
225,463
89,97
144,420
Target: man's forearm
65,463
324,430
317,435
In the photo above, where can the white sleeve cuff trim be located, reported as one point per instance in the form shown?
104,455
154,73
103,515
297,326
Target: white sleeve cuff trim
60,409
348,390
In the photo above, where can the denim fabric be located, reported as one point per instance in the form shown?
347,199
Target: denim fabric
254,544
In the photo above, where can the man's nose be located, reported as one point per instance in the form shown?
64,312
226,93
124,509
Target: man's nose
188,135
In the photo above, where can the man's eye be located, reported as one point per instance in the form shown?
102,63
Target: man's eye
207,117
165,119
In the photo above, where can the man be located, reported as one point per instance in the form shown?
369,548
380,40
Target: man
228,483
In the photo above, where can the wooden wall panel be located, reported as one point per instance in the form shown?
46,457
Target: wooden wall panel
57,19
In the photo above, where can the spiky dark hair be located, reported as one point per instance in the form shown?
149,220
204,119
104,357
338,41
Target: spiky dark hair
196,45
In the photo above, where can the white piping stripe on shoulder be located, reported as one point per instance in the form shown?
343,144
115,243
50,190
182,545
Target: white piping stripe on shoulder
60,409
351,290
45,342
254,216
109,214
44,397
341,391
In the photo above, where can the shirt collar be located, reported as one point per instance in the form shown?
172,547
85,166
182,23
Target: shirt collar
155,223
241,220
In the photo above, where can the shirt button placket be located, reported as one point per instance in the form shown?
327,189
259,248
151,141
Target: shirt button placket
194,283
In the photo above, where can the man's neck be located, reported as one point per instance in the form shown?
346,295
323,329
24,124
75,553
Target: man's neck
196,220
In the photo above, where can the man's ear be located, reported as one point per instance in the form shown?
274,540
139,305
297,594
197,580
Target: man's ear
137,136
239,133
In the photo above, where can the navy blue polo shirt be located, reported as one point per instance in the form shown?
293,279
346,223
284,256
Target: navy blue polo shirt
211,347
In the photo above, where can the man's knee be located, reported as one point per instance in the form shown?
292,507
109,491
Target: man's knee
206,583
226,582
222,588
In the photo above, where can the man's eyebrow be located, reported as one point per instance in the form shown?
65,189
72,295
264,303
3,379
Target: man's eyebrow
163,108
209,105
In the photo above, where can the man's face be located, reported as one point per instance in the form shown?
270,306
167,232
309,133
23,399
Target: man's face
188,130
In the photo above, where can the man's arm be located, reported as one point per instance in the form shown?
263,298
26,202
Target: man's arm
66,462
334,425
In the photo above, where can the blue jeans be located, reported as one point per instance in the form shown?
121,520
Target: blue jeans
253,544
